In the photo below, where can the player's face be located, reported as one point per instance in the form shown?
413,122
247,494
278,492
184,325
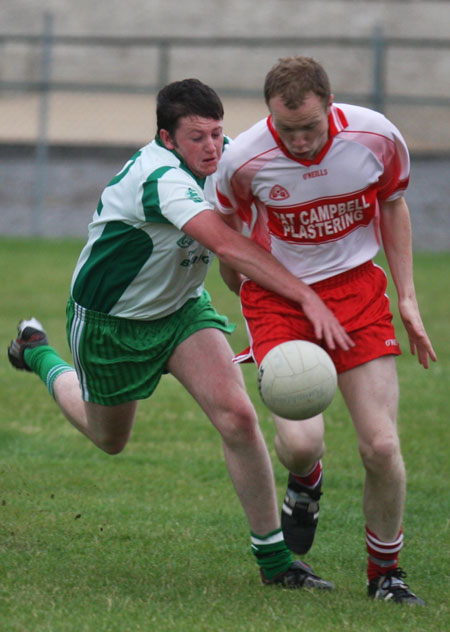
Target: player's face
198,141
303,131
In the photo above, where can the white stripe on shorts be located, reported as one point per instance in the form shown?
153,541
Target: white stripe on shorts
76,332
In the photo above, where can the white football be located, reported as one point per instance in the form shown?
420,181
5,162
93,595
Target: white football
297,379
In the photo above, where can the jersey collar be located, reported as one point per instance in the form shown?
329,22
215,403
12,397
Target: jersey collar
337,121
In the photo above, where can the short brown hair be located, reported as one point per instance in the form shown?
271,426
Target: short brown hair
188,97
292,78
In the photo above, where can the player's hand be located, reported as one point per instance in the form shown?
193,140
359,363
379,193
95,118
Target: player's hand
326,325
419,343
232,278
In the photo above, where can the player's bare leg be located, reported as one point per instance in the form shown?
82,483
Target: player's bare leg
300,446
225,401
108,427
217,385
371,395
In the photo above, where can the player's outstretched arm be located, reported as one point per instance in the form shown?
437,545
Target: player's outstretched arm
231,277
396,234
248,258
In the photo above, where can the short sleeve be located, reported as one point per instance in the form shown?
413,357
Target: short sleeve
171,195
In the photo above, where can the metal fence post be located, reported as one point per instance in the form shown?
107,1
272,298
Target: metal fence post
379,70
44,110
163,64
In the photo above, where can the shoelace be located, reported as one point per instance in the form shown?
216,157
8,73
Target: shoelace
392,581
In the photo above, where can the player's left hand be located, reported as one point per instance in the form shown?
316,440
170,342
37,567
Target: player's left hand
419,343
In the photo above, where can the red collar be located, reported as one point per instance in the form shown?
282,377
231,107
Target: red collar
337,121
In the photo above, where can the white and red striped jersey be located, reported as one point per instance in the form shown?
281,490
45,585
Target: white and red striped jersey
318,218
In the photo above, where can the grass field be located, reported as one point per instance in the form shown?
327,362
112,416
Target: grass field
154,539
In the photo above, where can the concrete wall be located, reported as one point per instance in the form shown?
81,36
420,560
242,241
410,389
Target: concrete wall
410,72
419,72
415,18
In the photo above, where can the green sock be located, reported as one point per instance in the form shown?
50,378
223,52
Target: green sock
47,364
271,553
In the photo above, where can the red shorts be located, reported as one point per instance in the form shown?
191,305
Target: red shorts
358,300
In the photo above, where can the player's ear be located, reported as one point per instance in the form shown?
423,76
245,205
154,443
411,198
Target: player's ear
166,139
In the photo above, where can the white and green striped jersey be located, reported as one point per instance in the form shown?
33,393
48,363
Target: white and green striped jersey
137,262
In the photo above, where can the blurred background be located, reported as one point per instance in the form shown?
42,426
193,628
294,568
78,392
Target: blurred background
78,84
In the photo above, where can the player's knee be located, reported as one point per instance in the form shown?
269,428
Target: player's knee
296,455
306,453
109,428
112,449
380,453
111,444
239,423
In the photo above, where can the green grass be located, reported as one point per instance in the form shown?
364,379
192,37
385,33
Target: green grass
154,539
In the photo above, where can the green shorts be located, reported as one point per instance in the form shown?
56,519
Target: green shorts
119,359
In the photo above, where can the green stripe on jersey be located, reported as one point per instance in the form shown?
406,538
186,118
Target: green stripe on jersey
150,197
117,178
110,269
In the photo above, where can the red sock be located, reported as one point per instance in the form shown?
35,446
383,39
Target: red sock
383,556
312,478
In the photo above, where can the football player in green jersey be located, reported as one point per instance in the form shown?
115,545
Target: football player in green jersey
138,309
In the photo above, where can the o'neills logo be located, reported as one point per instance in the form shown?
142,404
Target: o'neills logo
323,222
315,174
278,193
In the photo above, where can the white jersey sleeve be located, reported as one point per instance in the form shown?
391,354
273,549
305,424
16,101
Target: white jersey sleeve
172,194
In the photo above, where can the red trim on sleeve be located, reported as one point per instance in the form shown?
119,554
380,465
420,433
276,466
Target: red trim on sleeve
223,200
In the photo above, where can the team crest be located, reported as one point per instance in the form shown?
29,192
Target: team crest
185,241
278,193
